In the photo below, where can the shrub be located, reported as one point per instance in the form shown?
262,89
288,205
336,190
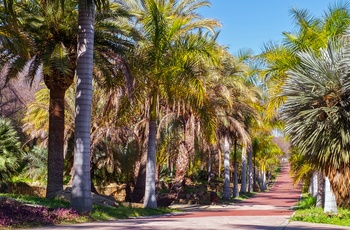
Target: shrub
15,214
10,150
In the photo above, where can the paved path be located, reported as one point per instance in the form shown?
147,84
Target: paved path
269,211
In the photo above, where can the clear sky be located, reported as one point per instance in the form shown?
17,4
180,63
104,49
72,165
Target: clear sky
252,23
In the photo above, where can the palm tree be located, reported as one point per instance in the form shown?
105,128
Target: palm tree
81,192
316,111
267,156
311,33
48,30
81,199
234,100
167,49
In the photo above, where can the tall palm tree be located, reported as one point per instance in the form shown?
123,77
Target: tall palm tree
112,52
316,111
81,199
234,100
169,51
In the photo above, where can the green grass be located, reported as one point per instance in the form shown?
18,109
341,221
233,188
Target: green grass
101,213
244,196
35,200
307,212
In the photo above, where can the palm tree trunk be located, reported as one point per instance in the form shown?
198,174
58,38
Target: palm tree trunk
235,172
55,161
330,204
314,184
210,162
262,177
320,190
81,199
220,162
186,150
150,190
244,170
139,189
227,190
254,172
182,165
263,173
250,167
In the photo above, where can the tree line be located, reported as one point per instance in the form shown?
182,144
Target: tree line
163,99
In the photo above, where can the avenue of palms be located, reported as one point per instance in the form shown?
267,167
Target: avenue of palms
157,98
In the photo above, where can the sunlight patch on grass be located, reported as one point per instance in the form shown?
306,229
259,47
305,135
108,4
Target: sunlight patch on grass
307,212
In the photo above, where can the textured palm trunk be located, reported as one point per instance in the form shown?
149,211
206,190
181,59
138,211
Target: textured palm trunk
320,189
55,161
186,150
220,162
254,172
262,178
81,200
235,172
314,184
150,189
250,167
330,204
227,190
181,165
139,189
244,170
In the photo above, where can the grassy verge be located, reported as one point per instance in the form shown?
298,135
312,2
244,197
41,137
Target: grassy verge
39,211
244,196
101,213
307,212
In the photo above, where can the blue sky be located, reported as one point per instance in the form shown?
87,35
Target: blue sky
251,23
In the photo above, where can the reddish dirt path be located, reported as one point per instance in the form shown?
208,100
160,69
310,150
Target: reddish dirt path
275,202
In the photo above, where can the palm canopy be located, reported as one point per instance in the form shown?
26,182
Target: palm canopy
41,38
50,38
169,41
317,109
311,33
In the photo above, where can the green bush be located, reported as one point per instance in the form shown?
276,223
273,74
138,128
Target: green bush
36,165
307,202
10,150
